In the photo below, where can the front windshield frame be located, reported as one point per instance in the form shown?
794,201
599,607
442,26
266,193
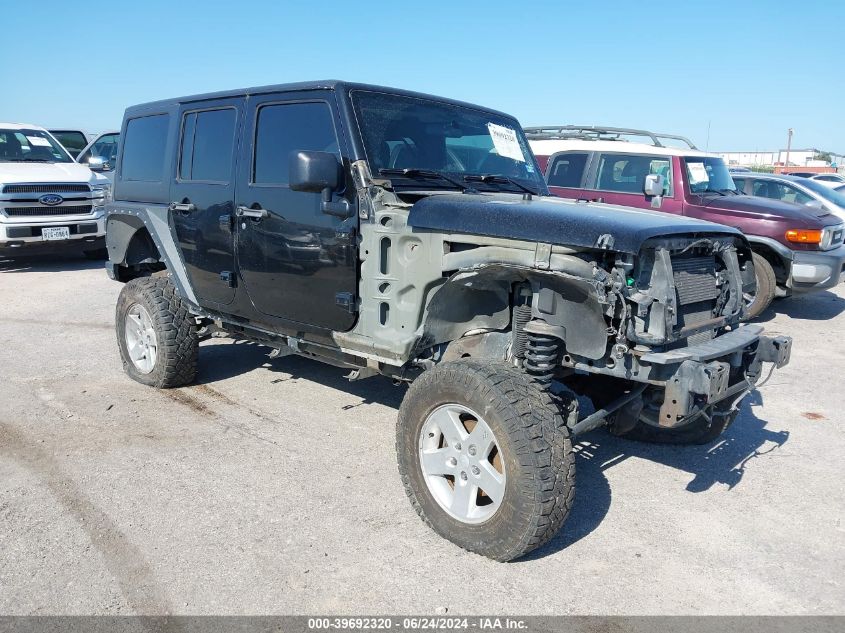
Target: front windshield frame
442,158
52,152
719,178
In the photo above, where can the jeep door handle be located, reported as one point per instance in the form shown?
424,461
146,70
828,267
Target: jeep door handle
255,214
183,207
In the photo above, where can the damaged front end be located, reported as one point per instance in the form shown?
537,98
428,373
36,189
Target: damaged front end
667,318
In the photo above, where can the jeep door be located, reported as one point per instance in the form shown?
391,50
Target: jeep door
203,192
296,262
619,178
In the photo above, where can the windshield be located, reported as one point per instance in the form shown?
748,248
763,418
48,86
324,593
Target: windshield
412,133
30,146
708,174
72,140
833,195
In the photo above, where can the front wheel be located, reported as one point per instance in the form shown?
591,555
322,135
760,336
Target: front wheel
485,457
766,280
156,334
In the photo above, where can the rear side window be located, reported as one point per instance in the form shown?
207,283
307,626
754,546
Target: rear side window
208,138
626,173
567,170
143,148
780,191
285,128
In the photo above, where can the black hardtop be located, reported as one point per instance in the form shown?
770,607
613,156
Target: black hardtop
328,84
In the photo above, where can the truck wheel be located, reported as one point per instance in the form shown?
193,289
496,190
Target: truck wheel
156,334
485,457
702,429
766,288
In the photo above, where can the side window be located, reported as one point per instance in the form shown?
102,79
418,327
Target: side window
767,189
285,128
143,148
567,170
791,194
208,138
740,183
104,147
626,173
780,191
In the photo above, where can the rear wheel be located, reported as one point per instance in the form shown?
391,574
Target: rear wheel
156,334
485,457
766,288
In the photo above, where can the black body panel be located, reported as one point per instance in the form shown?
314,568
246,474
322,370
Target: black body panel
553,221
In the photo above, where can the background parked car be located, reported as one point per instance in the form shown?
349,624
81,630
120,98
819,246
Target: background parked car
797,248
827,179
72,140
795,189
100,155
48,202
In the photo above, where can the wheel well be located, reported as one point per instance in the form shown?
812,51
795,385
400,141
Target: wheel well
774,259
140,258
141,249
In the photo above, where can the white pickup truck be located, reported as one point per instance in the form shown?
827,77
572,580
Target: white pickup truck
47,200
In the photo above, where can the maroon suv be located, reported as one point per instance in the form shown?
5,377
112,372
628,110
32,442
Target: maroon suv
797,248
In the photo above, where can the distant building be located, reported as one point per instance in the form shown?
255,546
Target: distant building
797,158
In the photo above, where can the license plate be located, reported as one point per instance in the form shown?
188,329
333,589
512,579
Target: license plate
55,233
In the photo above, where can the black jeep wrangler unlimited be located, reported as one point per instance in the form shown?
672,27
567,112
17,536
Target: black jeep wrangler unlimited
411,236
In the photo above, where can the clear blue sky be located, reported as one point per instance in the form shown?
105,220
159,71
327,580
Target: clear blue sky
750,70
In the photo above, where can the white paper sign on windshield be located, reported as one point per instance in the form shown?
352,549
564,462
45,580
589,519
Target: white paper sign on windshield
506,142
37,140
697,173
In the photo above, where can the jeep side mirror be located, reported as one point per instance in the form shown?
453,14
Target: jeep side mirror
318,172
654,185
98,163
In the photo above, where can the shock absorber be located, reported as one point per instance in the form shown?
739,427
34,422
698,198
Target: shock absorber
541,352
521,317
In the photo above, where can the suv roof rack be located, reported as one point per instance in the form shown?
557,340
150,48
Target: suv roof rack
599,133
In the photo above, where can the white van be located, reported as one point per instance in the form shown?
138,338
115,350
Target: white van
47,200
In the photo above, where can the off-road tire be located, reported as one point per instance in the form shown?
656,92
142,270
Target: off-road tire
766,287
535,445
175,328
700,430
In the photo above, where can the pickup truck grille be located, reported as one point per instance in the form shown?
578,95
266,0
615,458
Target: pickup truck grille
53,187
47,211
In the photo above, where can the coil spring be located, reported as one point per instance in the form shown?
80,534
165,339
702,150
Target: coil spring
541,356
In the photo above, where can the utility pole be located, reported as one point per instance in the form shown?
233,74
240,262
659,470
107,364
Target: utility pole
788,147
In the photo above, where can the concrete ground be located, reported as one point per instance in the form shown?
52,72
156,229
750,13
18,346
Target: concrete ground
271,487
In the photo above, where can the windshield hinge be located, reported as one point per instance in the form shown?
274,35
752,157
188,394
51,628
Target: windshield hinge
542,256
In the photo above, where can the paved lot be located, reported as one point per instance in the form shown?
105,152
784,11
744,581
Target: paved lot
271,487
